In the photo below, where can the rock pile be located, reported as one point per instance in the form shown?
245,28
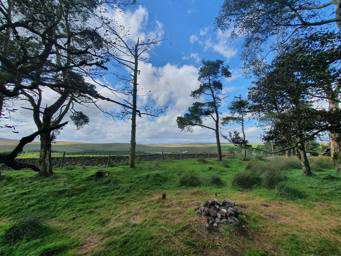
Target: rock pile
225,212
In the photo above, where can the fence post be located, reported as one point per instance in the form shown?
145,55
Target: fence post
163,156
108,160
63,159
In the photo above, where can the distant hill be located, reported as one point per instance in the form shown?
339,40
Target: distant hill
110,148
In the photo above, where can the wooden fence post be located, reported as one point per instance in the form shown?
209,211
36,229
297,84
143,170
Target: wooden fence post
108,160
63,159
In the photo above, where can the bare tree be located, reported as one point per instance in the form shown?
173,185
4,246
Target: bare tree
129,51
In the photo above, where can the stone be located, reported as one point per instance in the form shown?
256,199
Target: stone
233,221
219,213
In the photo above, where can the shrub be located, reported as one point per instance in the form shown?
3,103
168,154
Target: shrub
26,229
202,161
246,179
321,163
190,180
225,163
283,164
217,181
289,192
271,178
69,168
256,166
156,179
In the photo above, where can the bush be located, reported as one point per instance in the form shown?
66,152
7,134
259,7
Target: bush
246,179
256,166
202,161
283,164
321,163
69,168
217,181
289,192
225,163
29,229
190,180
271,178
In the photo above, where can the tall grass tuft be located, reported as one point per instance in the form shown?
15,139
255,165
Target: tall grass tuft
321,163
246,179
190,180
28,229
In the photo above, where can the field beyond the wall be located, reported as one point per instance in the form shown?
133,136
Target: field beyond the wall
121,212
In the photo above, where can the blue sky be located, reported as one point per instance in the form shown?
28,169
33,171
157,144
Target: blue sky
189,34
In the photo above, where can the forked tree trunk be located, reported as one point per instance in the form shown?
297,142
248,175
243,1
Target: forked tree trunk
45,164
304,161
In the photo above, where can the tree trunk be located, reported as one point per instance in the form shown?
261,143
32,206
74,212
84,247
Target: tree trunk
45,163
132,153
335,143
337,157
244,138
304,161
219,151
2,98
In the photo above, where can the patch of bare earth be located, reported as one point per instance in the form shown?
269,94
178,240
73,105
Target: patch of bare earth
89,245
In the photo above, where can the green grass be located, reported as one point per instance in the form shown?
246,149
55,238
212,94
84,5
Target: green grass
123,214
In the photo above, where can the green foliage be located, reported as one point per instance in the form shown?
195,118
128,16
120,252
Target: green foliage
190,180
271,178
321,163
256,253
256,166
289,192
246,179
216,181
28,229
202,161
284,164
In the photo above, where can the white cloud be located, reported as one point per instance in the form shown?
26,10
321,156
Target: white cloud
217,41
192,57
169,84
193,39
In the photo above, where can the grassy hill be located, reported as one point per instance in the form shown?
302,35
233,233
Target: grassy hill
112,148
73,213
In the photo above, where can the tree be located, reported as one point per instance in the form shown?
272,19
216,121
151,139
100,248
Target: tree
53,48
263,23
52,115
239,108
129,52
318,57
210,93
281,97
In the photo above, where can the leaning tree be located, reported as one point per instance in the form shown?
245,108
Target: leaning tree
210,95
53,47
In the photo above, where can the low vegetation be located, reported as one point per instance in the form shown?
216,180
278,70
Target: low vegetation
122,212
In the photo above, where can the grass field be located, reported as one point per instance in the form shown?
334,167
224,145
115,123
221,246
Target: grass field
73,213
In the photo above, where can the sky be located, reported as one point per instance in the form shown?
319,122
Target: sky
188,35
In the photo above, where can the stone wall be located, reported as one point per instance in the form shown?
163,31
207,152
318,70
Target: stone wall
112,160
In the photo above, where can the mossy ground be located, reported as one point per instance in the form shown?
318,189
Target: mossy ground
123,214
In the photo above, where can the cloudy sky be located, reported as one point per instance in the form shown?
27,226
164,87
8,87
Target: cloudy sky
188,33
